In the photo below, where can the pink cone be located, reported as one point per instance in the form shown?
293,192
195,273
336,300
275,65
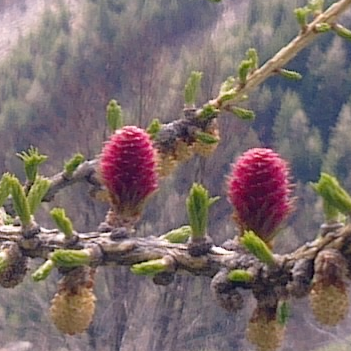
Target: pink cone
128,168
260,191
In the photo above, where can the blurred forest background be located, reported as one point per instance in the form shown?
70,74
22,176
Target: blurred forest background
61,63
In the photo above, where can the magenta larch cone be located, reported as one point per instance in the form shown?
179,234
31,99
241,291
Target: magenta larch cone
128,170
259,189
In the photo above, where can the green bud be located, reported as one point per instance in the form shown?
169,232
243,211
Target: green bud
178,236
227,85
290,74
316,6
151,267
322,27
32,159
114,115
283,312
62,222
331,213
37,192
20,202
197,204
43,271
70,258
72,164
342,32
227,95
243,113
154,128
301,15
240,275
4,188
252,55
244,69
8,220
192,87
257,247
332,192
206,138
208,112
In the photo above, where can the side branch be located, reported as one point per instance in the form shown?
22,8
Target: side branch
286,54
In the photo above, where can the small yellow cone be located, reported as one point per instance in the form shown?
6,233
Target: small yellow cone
73,306
203,149
329,303
183,152
166,164
264,331
329,296
73,313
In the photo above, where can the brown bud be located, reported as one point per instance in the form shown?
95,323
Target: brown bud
15,271
225,293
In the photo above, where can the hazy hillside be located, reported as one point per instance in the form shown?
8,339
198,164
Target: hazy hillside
19,17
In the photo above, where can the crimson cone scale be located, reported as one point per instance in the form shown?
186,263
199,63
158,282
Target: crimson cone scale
260,191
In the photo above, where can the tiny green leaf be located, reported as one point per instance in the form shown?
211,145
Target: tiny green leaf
43,271
37,192
70,258
62,222
4,188
72,164
257,247
192,87
212,200
197,204
20,202
4,260
114,115
333,193
151,267
240,275
244,114
154,128
283,312
32,159
178,236
206,138
290,74
342,32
